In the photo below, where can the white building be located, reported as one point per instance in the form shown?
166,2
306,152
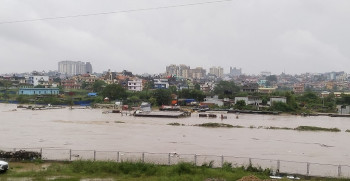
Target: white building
343,109
135,85
277,99
161,83
38,80
250,100
213,100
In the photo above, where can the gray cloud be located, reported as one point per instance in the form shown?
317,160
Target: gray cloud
273,35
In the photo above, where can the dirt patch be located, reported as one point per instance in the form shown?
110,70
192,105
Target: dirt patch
25,167
253,178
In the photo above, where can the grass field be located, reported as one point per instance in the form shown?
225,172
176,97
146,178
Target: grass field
89,170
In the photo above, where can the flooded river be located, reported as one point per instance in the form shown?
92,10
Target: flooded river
90,129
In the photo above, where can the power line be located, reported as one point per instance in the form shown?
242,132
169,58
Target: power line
113,12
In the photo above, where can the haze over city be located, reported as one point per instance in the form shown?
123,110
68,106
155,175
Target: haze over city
292,36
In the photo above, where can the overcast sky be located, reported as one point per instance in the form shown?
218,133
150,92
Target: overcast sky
294,36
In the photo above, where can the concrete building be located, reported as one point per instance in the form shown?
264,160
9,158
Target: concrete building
38,80
161,83
217,71
135,85
277,99
265,73
74,67
88,68
299,88
253,87
70,84
212,101
38,91
266,90
343,109
250,100
197,73
235,71
185,71
178,71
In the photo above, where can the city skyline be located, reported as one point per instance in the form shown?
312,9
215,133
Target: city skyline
276,36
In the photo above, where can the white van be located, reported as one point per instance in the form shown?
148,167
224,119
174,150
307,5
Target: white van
3,166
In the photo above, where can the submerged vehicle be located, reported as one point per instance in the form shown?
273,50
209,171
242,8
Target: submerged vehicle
4,166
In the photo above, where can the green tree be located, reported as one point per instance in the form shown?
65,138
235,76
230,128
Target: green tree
226,88
197,87
57,80
240,104
144,95
271,78
291,100
149,85
98,85
173,89
184,94
192,94
85,85
344,99
134,99
6,85
162,96
114,92
197,95
153,101
22,99
281,106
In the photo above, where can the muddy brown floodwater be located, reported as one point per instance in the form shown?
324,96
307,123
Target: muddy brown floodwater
90,129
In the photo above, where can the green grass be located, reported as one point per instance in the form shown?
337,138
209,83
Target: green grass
218,125
284,128
314,128
135,171
98,170
299,128
175,124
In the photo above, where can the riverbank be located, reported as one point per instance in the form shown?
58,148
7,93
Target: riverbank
89,170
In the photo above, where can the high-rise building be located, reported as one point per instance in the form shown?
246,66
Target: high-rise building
178,70
218,71
197,73
74,67
172,70
235,71
88,68
185,71
265,73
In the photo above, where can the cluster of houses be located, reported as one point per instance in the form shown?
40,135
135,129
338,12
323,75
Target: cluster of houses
183,77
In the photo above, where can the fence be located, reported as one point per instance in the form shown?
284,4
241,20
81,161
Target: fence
283,166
